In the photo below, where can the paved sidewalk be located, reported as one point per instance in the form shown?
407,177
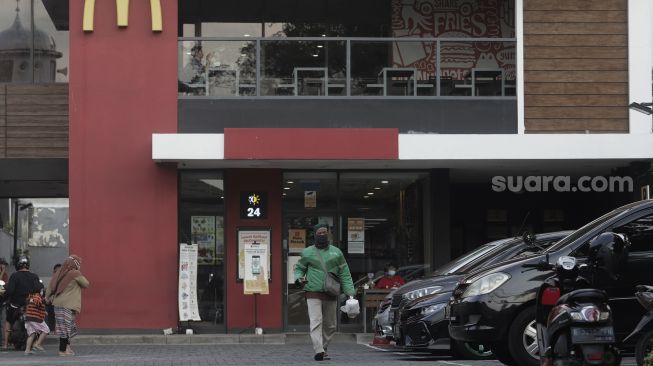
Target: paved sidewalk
342,353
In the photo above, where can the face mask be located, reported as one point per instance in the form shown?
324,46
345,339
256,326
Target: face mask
321,241
391,273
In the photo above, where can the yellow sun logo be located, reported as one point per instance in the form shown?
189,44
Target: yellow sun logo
254,199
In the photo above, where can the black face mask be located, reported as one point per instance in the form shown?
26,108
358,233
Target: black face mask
321,241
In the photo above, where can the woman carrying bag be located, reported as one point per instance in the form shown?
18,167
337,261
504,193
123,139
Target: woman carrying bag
65,293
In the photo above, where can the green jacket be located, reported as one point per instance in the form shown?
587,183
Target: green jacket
309,266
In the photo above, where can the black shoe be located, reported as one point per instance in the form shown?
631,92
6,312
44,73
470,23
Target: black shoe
319,356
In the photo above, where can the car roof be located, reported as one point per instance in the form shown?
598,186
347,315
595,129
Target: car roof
617,214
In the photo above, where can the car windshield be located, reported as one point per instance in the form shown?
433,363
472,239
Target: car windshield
585,229
488,256
461,261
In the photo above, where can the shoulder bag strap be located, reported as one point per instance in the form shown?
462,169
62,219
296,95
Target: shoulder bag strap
319,255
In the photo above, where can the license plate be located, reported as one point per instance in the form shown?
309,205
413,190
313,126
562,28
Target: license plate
592,335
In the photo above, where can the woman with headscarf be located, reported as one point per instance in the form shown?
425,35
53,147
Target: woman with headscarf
65,293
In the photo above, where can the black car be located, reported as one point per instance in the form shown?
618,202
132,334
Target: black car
496,306
419,312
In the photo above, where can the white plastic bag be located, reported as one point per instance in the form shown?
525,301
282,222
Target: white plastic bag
351,307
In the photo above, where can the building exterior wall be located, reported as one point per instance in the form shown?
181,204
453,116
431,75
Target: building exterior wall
445,116
34,120
575,66
123,208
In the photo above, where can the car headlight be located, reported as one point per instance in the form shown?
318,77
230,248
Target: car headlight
427,310
416,294
486,284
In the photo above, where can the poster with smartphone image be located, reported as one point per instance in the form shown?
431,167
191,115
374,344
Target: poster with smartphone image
254,259
256,271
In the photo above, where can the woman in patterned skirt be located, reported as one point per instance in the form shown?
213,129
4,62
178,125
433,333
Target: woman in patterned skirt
65,293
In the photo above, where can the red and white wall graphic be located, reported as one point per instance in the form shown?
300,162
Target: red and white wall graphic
454,19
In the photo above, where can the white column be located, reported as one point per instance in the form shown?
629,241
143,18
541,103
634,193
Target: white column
519,33
640,48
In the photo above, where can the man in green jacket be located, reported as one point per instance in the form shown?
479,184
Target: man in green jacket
310,273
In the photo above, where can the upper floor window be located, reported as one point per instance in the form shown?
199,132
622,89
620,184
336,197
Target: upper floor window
401,48
33,41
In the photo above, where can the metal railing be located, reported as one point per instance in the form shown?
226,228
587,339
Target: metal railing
327,67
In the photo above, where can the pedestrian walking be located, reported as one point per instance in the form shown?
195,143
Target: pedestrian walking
65,293
311,270
21,283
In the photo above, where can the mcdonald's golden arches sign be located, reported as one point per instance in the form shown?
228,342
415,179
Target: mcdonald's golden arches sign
122,11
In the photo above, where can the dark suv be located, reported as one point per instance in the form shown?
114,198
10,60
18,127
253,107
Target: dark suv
496,306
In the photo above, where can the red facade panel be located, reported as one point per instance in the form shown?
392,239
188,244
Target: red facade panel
240,307
311,143
123,207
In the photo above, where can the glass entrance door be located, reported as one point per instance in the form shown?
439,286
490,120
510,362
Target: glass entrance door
201,222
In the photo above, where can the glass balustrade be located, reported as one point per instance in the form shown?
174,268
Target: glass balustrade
347,67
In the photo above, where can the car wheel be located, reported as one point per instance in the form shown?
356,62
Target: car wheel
644,347
522,338
502,354
471,351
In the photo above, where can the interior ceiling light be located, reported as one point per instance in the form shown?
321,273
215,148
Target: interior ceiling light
377,188
384,182
366,196
290,182
286,188
370,193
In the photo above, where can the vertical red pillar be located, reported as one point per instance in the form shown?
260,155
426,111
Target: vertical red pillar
123,206
240,307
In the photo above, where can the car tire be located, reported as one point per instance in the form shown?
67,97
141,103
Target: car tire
471,351
522,338
502,354
644,347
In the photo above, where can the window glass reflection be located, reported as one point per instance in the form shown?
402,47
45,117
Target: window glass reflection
37,53
50,46
15,42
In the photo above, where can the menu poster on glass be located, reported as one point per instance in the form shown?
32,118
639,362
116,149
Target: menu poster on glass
203,234
297,240
310,199
187,300
256,269
292,261
248,237
356,235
